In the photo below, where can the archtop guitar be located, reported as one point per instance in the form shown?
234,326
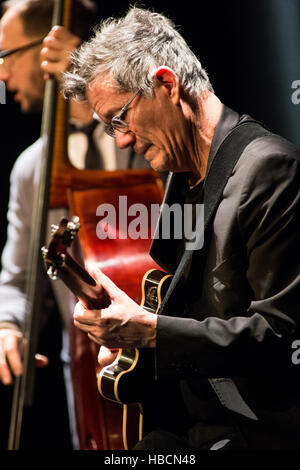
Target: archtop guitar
130,379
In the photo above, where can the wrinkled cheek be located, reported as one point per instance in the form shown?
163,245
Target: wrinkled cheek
170,147
143,132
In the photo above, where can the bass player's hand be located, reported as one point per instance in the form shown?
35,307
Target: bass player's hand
10,360
57,48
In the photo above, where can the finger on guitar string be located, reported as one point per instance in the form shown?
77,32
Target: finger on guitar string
96,339
109,344
108,285
85,316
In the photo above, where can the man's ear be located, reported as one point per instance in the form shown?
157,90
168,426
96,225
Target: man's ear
164,76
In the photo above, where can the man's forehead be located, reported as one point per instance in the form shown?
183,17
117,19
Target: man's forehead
11,28
104,96
102,84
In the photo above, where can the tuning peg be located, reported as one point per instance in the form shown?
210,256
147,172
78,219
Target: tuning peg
54,228
44,251
73,226
52,273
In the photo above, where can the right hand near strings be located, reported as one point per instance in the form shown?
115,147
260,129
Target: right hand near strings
106,356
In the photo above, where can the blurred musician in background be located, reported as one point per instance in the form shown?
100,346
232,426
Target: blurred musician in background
36,52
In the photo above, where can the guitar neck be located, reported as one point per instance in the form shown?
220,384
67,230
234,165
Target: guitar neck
82,284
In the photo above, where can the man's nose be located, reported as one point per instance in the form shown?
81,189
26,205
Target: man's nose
3,74
124,140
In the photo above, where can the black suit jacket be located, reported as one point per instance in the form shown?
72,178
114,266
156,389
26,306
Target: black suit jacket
242,296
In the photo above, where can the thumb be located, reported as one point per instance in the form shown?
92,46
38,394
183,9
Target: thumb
108,285
106,356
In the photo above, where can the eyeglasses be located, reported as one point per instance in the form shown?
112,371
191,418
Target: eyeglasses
117,123
8,52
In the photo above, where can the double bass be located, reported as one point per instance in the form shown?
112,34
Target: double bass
99,421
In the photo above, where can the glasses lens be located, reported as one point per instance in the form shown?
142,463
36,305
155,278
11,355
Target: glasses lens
116,125
109,130
119,124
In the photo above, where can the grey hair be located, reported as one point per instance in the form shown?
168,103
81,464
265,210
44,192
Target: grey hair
130,49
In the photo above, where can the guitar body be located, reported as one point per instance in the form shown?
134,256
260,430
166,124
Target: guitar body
130,379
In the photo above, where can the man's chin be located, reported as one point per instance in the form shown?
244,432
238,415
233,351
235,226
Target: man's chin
31,106
157,166
155,159
158,163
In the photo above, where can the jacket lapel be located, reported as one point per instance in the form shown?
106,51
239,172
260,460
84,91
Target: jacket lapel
162,250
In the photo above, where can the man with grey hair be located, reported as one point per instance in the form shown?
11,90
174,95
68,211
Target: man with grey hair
227,351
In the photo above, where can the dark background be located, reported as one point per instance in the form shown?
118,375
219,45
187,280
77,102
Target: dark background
250,48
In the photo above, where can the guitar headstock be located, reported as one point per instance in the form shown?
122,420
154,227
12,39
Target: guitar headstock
62,236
